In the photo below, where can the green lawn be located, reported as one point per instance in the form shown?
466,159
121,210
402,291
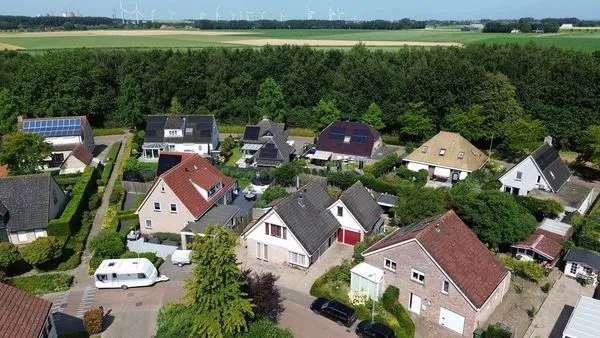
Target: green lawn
584,40
47,283
236,153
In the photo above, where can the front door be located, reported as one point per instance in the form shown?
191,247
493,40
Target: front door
415,304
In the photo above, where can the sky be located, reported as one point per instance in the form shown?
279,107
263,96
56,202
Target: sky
317,9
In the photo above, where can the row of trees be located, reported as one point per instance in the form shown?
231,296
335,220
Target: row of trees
479,89
524,25
9,22
309,24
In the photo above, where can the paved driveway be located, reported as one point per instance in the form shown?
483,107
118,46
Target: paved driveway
304,323
552,317
294,279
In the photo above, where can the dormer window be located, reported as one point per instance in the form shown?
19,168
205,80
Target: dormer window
215,189
189,131
461,155
172,132
424,149
442,151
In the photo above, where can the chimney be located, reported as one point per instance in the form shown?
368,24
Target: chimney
548,140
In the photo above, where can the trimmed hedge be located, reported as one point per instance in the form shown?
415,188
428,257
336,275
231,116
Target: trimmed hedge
66,181
151,256
405,327
47,283
108,131
70,219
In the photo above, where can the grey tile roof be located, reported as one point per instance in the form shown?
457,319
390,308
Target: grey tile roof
196,128
573,194
306,216
274,138
387,199
585,256
219,215
28,200
553,168
362,205
260,132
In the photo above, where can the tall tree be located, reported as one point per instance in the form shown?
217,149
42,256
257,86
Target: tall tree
469,123
522,134
214,293
270,101
327,112
373,116
129,102
415,204
176,108
263,291
24,153
416,125
591,145
9,110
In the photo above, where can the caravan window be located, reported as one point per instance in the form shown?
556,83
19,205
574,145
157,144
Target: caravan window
101,278
141,276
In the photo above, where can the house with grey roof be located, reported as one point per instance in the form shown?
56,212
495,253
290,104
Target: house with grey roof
583,263
220,215
186,133
27,203
265,144
298,229
543,174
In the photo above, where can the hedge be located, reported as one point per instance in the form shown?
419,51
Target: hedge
47,283
405,327
108,131
70,219
66,181
151,256
526,269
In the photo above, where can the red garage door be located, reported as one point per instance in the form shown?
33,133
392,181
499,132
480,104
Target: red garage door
348,236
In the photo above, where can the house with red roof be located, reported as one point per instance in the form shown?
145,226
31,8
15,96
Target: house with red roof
545,244
23,315
444,273
187,188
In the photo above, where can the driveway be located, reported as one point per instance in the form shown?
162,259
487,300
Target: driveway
103,143
554,313
295,279
296,317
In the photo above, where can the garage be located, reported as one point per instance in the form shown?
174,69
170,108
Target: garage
348,236
452,320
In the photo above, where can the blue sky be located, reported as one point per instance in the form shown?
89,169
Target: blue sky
348,9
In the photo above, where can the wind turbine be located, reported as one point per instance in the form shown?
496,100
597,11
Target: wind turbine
281,16
331,14
262,15
202,15
249,15
232,16
172,15
309,13
137,14
217,13
340,15
153,11
123,11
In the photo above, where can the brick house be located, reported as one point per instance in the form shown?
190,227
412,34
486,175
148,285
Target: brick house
443,272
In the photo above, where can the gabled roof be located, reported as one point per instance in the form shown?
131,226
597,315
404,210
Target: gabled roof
219,215
263,130
349,138
585,256
274,151
195,128
273,137
544,243
449,150
27,199
306,216
195,170
81,153
168,160
458,252
548,160
21,315
362,205
584,322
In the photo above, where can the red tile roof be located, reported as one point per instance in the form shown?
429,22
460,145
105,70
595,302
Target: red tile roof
21,315
543,242
195,170
457,250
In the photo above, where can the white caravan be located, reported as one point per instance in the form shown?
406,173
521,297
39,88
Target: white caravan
127,273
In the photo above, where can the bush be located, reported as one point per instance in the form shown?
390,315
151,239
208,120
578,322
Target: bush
385,165
525,269
108,131
106,171
285,175
342,179
271,194
111,221
40,284
168,236
111,156
334,283
419,177
151,256
531,312
9,255
95,201
405,326
117,194
42,250
264,328
546,287
541,208
92,320
108,244
363,245
496,331
390,297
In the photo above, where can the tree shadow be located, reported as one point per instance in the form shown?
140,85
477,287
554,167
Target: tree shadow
99,148
108,319
561,322
67,325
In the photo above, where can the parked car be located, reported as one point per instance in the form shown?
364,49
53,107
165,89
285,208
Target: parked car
133,235
334,310
181,257
367,328
251,196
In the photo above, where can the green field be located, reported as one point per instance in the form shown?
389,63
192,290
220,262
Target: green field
584,41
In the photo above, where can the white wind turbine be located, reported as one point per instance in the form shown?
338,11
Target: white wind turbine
282,16
152,14
331,14
137,14
217,13
123,11
262,15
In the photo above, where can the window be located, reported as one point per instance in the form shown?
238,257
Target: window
340,211
275,231
552,174
573,269
539,179
215,189
148,224
297,259
445,287
461,155
173,207
417,276
162,188
141,276
424,149
389,264
507,189
346,139
172,132
39,233
519,175
156,206
22,236
442,151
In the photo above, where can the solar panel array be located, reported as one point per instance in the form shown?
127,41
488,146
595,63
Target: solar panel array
337,133
359,136
53,128
251,133
269,151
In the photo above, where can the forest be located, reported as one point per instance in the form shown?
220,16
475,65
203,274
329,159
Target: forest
485,92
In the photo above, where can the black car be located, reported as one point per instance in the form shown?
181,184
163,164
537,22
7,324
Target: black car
367,328
334,310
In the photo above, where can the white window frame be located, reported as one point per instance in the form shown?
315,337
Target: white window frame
519,176
419,273
390,264
22,236
173,208
442,151
340,211
39,233
296,258
148,224
444,284
155,208
574,266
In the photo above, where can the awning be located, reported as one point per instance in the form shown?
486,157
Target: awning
251,146
441,172
321,155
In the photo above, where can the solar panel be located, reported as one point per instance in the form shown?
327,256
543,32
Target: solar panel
251,133
269,151
53,128
337,133
358,139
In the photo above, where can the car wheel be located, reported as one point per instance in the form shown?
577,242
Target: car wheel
124,287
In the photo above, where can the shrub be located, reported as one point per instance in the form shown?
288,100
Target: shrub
42,250
108,244
496,331
108,131
385,165
271,194
106,171
46,283
168,236
117,194
111,156
405,326
285,174
95,201
151,256
390,297
264,328
531,312
342,179
9,255
541,208
546,287
110,221
264,292
363,245
92,320
525,269
419,177
338,277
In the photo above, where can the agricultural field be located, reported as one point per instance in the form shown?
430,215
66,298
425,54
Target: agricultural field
588,40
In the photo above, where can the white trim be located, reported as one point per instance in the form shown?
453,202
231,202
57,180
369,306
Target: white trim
334,212
442,166
444,284
385,259
419,273
540,172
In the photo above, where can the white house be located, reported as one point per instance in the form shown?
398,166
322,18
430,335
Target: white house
190,134
582,263
585,319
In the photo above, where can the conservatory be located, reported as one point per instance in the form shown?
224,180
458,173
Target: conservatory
368,279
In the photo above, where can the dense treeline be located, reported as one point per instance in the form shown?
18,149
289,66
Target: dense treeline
524,90
8,22
524,25
309,24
